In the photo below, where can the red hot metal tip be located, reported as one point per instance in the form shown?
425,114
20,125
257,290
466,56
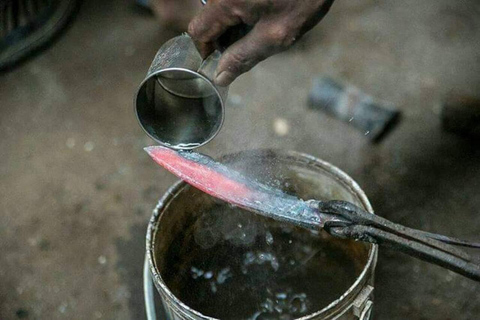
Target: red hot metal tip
223,183
204,173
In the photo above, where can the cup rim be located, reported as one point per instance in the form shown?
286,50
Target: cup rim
179,185
184,146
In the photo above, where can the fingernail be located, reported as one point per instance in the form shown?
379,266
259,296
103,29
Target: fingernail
223,79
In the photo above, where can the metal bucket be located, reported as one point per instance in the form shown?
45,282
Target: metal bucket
308,177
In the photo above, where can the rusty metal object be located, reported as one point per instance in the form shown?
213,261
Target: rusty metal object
350,105
460,114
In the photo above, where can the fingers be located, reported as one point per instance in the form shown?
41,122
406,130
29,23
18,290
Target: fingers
274,31
212,22
260,43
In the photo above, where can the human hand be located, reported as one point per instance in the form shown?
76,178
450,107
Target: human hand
277,25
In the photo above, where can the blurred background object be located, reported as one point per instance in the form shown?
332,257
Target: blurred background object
143,3
28,26
372,118
460,114
174,14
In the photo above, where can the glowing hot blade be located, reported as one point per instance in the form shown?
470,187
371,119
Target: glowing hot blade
196,170
214,178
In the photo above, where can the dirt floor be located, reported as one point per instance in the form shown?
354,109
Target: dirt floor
77,190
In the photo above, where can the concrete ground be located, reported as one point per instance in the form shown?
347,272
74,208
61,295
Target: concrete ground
76,189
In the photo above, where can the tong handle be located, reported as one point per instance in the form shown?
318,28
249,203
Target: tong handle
413,248
355,223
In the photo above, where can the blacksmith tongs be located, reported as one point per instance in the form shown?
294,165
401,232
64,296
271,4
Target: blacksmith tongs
338,218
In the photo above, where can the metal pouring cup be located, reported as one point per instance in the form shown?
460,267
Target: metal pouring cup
177,104
182,206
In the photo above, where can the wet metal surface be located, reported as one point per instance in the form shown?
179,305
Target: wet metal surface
77,190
